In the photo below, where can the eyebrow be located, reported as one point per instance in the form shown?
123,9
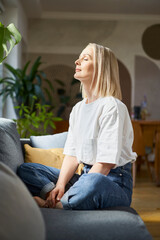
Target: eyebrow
85,55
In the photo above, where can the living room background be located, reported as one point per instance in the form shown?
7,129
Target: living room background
60,36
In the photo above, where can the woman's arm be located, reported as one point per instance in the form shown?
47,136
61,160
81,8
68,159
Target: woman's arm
68,169
103,168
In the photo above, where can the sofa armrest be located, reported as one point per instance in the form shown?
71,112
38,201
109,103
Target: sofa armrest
24,141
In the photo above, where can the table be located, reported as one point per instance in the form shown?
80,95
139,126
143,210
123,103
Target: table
149,130
150,133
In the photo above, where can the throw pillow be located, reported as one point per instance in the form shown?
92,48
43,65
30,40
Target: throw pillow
49,157
49,141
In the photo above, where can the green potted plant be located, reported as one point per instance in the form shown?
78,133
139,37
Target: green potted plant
66,105
65,98
22,87
35,119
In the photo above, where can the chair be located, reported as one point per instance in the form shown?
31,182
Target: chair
139,148
157,158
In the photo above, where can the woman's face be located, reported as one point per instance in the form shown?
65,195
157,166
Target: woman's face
84,65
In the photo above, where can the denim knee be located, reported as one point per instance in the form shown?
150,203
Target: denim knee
38,178
94,191
23,168
90,182
83,194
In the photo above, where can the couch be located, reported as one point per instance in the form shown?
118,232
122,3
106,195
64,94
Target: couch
21,218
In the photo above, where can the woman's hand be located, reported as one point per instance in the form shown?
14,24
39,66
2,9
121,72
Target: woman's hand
103,168
55,195
68,169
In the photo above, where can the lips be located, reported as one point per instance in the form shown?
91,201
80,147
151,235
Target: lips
77,70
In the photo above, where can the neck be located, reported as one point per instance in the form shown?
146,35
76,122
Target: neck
90,96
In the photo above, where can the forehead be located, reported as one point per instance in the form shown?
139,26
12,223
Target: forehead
87,51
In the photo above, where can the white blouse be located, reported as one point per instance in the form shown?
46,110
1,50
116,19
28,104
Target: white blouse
100,131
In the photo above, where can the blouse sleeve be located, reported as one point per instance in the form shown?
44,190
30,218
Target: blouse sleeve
109,142
69,148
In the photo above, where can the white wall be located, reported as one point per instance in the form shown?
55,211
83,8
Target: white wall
60,39
1,74
17,16
126,43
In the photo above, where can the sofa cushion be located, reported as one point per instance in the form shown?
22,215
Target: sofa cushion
10,146
49,141
20,217
50,157
121,223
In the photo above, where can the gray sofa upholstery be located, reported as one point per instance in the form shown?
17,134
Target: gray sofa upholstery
18,209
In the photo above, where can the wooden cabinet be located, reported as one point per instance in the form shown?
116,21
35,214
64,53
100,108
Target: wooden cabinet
61,126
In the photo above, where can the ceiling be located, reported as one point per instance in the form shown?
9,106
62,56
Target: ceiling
103,6
35,8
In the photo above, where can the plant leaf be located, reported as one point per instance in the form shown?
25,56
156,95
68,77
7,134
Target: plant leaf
43,74
57,119
5,80
49,95
34,69
25,69
14,71
49,84
39,93
59,82
9,37
39,80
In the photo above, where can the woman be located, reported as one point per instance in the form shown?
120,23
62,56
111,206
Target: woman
100,135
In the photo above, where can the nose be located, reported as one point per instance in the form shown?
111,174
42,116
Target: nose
77,62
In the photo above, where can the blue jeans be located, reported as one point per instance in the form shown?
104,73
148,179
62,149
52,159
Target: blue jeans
85,191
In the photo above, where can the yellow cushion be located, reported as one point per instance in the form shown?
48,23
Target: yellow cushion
49,157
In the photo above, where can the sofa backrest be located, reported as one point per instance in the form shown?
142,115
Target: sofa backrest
10,146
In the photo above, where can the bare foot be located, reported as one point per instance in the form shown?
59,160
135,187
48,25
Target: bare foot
59,205
41,202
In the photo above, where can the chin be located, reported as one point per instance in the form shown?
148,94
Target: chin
76,77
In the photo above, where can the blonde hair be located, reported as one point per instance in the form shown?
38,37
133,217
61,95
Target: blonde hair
105,80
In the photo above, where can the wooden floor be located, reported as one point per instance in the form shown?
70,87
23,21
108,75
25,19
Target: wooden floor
146,201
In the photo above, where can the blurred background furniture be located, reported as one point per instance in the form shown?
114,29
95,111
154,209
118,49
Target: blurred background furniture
149,129
139,148
157,158
145,144
61,126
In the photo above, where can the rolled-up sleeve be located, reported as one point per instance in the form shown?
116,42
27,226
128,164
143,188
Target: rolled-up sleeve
69,148
109,142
